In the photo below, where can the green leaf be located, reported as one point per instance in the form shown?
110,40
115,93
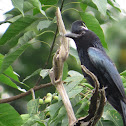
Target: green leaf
69,87
123,73
44,73
19,5
88,85
32,107
8,116
82,107
89,3
93,24
75,91
33,121
37,5
114,4
15,52
28,37
33,74
54,108
74,79
17,27
74,53
25,117
101,5
113,116
83,6
65,71
48,2
26,7
65,120
10,73
105,123
6,80
43,24
75,73
59,117
123,79
11,57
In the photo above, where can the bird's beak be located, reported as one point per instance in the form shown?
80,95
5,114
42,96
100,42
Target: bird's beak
72,35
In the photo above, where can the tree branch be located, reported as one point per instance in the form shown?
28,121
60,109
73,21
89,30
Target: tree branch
57,70
24,94
52,46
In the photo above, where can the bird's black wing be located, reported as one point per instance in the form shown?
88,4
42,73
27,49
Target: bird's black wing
105,66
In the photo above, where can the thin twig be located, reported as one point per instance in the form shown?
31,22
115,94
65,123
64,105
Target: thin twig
33,93
13,98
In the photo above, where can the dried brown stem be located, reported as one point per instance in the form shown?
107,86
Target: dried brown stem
57,70
96,105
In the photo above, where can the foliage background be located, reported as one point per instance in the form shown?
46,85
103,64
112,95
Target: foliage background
26,49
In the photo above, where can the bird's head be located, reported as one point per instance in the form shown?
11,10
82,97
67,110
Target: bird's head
78,29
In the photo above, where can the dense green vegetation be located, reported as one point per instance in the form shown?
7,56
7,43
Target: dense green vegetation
26,51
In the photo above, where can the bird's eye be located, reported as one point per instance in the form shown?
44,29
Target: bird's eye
84,24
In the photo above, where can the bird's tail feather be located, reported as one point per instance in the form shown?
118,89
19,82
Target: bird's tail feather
123,106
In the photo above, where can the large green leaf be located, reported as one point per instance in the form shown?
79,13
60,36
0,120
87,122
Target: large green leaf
4,79
26,7
33,74
34,121
19,5
54,108
16,28
32,107
37,5
33,118
43,24
112,115
101,5
11,57
93,24
23,43
8,116
75,91
88,3
9,72
114,4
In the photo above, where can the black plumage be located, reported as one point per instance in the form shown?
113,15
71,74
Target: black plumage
93,56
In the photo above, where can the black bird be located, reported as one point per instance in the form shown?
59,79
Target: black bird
93,56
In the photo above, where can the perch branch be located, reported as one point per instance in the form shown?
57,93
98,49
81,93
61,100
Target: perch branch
13,98
57,70
96,105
